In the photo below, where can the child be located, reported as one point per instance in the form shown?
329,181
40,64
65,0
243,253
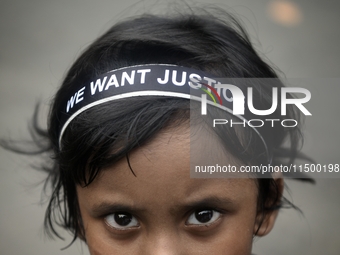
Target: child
125,139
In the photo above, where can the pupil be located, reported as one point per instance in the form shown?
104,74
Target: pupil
123,219
204,216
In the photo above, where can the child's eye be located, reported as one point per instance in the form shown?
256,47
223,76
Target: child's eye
121,221
203,217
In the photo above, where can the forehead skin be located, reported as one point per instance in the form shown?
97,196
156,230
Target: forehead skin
161,198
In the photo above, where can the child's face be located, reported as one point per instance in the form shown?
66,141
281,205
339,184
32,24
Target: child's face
163,210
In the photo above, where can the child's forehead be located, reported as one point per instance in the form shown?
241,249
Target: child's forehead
162,179
164,164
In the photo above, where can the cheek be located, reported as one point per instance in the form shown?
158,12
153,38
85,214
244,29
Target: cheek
101,242
237,241
234,238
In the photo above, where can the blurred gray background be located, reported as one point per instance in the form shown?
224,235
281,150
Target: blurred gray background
39,41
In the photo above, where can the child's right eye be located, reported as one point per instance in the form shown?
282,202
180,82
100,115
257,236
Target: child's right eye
121,221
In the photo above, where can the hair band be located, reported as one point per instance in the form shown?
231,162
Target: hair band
150,80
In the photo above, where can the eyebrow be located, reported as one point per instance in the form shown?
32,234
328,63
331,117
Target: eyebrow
211,201
107,207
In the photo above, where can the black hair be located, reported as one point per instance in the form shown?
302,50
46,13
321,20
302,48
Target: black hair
100,136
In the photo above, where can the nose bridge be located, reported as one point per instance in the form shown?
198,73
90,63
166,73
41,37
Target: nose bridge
163,242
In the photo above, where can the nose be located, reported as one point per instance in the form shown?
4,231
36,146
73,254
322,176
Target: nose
163,243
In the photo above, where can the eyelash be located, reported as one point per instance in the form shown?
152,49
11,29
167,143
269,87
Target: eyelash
213,216
129,222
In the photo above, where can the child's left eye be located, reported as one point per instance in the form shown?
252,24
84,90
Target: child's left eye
203,217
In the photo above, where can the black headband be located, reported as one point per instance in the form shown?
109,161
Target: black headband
151,80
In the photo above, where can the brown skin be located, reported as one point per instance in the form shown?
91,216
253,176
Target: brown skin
160,204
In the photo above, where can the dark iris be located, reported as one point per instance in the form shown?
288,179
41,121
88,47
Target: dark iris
204,216
123,219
